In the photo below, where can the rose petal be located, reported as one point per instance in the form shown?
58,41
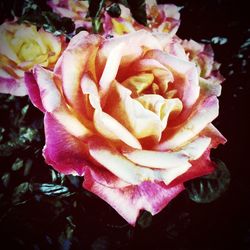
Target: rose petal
72,65
156,159
111,67
166,160
200,167
140,121
134,46
66,153
164,108
206,112
126,170
107,126
33,91
129,201
185,75
114,161
10,85
50,95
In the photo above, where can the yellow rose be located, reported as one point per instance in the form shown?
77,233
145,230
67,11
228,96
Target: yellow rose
21,47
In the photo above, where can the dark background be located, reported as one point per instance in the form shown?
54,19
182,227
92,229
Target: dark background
66,217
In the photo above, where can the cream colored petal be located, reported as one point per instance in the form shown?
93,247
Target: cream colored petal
160,106
134,45
72,124
111,67
205,114
50,95
156,159
110,128
130,112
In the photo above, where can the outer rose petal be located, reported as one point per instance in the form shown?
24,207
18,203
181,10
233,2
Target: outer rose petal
12,86
63,151
50,95
200,167
133,49
33,91
72,65
128,201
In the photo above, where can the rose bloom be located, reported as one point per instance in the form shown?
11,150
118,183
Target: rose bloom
22,47
161,18
74,9
132,114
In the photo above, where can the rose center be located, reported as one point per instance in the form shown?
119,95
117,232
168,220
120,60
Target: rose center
29,51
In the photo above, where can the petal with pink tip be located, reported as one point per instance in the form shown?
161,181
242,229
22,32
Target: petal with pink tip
12,86
115,162
200,167
50,95
62,150
33,90
129,201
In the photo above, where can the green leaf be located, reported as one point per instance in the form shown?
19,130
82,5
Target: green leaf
95,7
19,191
27,135
138,10
5,179
96,24
210,187
18,164
49,189
145,220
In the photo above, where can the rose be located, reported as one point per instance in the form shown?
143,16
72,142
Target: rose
161,18
74,9
22,47
130,115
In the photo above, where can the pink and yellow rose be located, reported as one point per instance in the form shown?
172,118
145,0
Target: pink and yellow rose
132,114
73,9
22,47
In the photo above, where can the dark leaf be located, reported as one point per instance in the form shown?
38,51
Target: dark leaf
18,164
145,220
210,187
19,191
49,189
5,179
95,7
114,10
138,10
65,238
42,17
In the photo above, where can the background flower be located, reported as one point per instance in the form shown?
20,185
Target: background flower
129,113
76,10
22,47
